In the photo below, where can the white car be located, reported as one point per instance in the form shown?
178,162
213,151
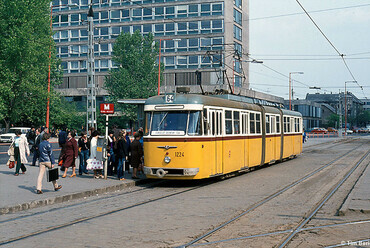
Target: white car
348,131
9,136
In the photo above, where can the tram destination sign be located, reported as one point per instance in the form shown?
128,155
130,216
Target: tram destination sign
106,108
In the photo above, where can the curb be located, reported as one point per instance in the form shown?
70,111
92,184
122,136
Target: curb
69,197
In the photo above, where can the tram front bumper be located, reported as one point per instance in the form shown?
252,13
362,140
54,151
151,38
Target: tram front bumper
173,172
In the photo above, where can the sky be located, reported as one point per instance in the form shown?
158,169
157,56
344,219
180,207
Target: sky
292,43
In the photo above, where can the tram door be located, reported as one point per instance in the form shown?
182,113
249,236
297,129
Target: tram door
215,121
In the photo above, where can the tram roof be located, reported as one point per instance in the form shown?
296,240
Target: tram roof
202,100
216,101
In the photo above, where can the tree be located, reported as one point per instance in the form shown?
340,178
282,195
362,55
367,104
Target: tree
25,40
333,120
136,76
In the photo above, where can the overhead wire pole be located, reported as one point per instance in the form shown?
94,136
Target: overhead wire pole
91,87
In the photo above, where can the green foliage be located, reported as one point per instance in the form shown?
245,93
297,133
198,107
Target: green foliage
25,42
137,72
333,121
63,113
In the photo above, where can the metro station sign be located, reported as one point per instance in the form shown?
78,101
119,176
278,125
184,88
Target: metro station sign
106,108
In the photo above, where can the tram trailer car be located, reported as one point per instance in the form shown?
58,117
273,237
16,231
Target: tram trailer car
190,136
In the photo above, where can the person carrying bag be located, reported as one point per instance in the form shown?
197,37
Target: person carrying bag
11,161
46,161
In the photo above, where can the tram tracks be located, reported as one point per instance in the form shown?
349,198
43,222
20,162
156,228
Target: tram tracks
95,216
115,210
272,196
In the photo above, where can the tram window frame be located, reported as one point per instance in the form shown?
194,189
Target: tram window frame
205,122
219,113
213,126
197,127
258,123
148,122
273,124
267,121
252,122
245,120
277,124
236,122
228,122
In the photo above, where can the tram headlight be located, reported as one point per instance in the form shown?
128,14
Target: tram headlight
167,159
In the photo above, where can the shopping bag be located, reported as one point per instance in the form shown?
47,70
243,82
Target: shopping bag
11,164
94,164
52,174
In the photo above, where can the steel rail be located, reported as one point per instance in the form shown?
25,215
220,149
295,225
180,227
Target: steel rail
322,202
83,219
283,232
265,200
88,201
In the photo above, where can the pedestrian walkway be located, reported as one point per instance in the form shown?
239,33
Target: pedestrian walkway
18,192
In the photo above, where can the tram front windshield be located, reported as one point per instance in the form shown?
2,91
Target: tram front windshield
175,123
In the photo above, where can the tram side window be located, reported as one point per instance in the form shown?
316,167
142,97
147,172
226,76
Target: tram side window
194,123
236,122
285,125
205,123
277,124
213,123
297,128
258,123
148,118
273,124
252,123
244,123
267,124
228,122
288,124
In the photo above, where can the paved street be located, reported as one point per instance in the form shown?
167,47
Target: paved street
165,215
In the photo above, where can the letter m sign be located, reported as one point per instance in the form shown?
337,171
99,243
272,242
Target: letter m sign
106,108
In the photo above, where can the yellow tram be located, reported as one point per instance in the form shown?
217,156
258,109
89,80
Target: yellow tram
190,136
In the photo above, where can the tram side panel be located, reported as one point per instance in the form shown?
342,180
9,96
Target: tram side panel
233,157
255,150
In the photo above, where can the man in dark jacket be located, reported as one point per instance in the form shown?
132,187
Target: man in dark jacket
31,136
35,147
46,160
62,139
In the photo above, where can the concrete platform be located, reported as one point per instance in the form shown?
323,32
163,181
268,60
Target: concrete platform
19,192
358,199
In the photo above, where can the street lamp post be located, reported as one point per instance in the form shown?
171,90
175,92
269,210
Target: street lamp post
290,88
51,33
159,63
345,105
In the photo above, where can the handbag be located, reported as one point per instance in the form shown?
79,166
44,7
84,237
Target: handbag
60,163
52,174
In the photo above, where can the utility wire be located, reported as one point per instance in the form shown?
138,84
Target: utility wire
315,11
339,53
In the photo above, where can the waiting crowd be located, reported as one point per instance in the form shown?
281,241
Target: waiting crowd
122,153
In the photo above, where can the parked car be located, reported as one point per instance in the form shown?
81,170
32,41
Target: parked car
349,131
332,130
9,136
319,130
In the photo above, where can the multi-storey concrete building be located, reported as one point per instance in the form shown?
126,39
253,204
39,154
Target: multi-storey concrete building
209,36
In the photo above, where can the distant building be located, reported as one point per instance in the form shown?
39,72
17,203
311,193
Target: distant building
311,112
366,103
206,36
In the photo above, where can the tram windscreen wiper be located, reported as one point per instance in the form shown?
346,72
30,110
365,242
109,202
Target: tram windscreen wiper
164,117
